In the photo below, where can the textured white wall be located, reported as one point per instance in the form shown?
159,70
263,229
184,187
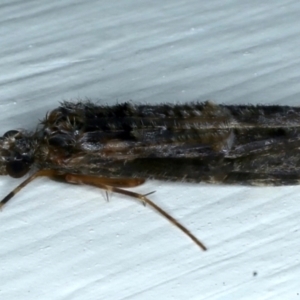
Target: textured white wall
66,242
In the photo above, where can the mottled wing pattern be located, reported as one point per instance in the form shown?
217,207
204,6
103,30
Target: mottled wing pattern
192,142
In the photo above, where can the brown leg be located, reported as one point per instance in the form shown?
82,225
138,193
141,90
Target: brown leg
48,173
96,181
118,182
108,184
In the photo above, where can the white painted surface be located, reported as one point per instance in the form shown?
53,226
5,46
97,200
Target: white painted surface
65,242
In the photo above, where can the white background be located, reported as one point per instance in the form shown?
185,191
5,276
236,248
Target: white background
60,241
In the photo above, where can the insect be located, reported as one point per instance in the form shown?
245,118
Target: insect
120,146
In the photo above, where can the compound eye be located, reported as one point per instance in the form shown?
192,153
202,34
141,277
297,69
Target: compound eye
10,133
17,168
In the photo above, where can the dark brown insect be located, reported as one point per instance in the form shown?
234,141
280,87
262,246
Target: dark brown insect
120,146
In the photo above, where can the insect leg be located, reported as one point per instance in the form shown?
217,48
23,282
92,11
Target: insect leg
96,181
122,182
103,184
116,182
25,182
